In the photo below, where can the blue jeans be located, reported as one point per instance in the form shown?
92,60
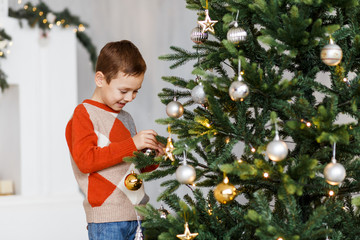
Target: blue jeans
112,230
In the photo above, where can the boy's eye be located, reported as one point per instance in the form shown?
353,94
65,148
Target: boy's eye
123,91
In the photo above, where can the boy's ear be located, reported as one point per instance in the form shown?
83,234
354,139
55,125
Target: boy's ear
99,79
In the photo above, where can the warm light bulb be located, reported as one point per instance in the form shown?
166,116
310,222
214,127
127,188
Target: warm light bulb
44,21
242,72
58,23
41,13
240,160
308,124
1,53
81,28
266,175
253,149
345,79
226,180
51,25
280,238
34,9
26,7
331,193
227,140
74,30
19,1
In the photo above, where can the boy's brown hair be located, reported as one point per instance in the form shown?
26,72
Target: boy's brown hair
121,56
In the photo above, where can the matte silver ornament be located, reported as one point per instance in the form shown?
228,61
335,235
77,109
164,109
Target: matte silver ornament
185,174
277,150
174,109
331,54
238,90
236,34
334,172
198,94
197,36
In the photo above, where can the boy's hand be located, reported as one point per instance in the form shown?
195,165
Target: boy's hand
160,150
146,139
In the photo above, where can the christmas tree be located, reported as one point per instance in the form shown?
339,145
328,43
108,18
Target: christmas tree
266,134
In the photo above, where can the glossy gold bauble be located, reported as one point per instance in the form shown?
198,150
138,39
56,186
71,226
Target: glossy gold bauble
225,192
132,182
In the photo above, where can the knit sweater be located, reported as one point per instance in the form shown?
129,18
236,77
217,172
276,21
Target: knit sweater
98,139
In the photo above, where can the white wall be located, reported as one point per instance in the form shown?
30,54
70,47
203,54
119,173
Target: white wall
153,26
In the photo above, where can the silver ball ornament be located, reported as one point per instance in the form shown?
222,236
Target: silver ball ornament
185,174
277,150
331,54
197,36
198,94
236,35
174,109
334,173
238,90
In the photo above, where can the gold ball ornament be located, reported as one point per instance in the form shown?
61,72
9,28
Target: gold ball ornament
225,192
132,182
331,54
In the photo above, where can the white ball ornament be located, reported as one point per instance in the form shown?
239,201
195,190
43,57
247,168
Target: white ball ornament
185,174
238,90
236,34
277,150
331,54
334,172
174,109
198,94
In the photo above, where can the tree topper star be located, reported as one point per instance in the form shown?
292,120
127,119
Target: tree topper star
207,24
187,234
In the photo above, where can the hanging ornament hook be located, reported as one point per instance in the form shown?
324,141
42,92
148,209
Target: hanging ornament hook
277,137
334,150
240,78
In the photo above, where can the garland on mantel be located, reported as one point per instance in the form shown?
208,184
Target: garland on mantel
42,16
4,42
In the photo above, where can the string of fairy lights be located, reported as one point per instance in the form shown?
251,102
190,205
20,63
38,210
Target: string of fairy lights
42,16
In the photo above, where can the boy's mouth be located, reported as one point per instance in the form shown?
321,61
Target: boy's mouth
121,104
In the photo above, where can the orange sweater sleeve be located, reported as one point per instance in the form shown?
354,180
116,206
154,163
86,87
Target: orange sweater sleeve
82,143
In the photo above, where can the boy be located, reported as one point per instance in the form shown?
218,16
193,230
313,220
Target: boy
100,134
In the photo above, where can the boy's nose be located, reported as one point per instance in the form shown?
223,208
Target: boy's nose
128,97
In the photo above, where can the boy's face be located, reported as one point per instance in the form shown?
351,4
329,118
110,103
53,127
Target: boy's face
121,90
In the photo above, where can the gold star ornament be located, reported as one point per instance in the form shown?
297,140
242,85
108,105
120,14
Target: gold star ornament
207,24
169,149
187,234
